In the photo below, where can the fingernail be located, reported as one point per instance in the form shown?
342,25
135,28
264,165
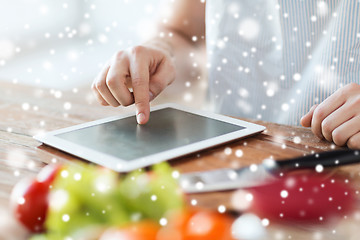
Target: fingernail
151,96
140,118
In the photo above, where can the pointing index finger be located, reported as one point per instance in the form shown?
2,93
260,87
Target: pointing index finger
139,71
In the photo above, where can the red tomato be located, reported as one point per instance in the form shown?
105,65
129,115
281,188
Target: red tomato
307,198
197,224
145,230
29,199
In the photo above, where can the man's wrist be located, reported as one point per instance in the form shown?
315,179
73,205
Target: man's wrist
161,44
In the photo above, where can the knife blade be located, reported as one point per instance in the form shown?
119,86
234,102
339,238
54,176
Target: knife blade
255,175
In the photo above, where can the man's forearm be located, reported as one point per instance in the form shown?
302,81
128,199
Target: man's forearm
189,59
187,54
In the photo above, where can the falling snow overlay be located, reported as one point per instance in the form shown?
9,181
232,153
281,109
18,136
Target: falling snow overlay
53,44
267,60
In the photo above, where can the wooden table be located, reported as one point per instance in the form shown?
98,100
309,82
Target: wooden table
25,111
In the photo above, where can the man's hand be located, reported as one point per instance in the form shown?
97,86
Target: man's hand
146,70
337,118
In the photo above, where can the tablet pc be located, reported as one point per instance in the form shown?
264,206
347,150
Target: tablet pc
119,143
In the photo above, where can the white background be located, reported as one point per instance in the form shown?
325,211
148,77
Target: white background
62,44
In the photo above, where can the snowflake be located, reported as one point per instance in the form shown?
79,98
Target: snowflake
244,93
66,218
284,194
265,222
221,209
248,226
153,198
297,140
239,153
193,202
163,221
319,168
297,77
228,151
249,29
67,105
322,8
285,107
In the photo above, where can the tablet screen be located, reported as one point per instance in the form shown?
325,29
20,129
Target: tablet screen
167,128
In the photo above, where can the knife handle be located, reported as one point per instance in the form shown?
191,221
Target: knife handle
326,159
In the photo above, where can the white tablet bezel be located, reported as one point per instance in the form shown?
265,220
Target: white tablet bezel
121,165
